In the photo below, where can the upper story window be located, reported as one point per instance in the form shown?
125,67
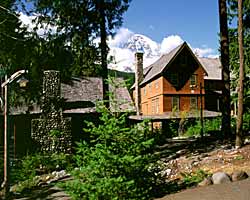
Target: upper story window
193,80
173,78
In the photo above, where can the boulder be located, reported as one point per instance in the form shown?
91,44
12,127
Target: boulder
220,177
207,181
239,175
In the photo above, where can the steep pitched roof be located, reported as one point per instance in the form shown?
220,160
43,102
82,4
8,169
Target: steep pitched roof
160,65
213,68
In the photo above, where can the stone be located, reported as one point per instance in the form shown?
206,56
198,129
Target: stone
207,181
239,175
220,177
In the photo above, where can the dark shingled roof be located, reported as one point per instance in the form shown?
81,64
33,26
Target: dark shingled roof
159,66
79,89
85,92
89,89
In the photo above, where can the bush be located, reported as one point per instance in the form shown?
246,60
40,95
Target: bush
115,164
209,125
37,164
193,178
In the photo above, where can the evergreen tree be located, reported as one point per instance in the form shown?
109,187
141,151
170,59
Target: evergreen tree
226,124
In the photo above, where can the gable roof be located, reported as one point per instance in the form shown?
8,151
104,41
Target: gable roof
163,62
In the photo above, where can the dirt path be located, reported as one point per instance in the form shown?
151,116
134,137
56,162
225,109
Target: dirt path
45,193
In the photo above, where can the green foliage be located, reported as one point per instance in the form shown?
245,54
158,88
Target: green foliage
194,130
33,165
115,164
246,121
129,77
209,126
193,178
234,48
55,133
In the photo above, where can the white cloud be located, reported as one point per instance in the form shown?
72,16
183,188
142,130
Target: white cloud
120,38
170,43
201,52
28,21
124,58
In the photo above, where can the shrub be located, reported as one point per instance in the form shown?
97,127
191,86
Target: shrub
36,164
115,164
193,178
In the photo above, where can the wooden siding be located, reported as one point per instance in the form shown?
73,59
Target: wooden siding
169,89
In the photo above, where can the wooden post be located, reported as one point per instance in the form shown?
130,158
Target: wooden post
201,111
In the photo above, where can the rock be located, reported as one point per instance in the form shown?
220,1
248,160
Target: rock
220,177
168,172
180,152
207,181
239,175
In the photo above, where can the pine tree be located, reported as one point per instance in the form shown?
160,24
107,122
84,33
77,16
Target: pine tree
226,119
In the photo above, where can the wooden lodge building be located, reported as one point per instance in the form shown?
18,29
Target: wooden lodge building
177,82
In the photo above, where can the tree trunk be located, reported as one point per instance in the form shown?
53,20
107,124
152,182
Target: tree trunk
239,135
104,50
226,118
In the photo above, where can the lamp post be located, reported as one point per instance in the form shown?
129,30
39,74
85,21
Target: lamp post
22,82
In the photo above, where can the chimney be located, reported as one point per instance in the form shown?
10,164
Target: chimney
138,79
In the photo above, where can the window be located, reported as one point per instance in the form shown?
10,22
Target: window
153,106
193,80
175,103
173,78
193,103
157,105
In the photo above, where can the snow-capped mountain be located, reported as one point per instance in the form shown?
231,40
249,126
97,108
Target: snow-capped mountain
150,47
124,52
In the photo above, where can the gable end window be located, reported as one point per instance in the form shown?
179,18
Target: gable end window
193,80
174,79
